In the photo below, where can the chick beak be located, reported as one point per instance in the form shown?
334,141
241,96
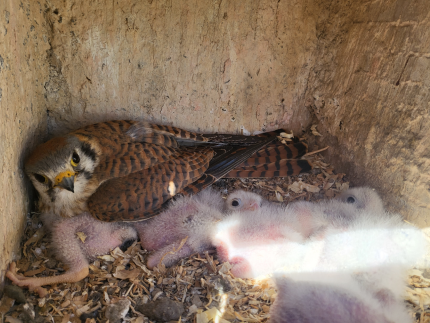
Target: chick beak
252,207
66,180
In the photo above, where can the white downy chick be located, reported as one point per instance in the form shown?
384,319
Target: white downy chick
330,235
240,200
342,256
363,198
253,226
331,298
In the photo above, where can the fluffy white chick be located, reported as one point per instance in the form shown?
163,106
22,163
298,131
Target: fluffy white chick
241,200
330,235
253,227
331,298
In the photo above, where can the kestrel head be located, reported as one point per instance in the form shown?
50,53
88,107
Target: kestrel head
61,170
363,198
243,201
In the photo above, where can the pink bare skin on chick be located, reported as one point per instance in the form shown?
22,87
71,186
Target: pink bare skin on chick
324,299
101,237
191,218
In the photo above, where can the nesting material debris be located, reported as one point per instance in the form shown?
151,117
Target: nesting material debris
198,289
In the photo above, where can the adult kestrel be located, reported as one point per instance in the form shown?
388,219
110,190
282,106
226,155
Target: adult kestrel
127,170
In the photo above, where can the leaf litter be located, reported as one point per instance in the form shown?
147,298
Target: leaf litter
119,283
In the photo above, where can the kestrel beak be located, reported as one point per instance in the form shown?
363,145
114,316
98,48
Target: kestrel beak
66,180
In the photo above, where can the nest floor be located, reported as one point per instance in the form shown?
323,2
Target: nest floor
203,285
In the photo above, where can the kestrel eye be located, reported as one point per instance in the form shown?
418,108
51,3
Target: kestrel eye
235,202
350,200
41,178
75,159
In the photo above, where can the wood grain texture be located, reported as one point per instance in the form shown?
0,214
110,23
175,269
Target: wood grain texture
24,71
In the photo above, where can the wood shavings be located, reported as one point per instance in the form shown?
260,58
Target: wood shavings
285,138
175,250
10,319
107,258
195,281
208,315
127,274
298,187
35,238
5,304
416,279
314,131
315,152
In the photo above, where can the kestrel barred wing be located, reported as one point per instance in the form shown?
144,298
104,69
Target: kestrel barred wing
273,161
141,195
127,170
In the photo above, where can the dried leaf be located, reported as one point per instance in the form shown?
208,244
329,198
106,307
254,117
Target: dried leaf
10,319
329,193
314,131
139,319
266,309
212,313
127,274
298,187
35,238
192,309
190,281
34,272
201,318
107,258
66,318
327,185
5,304
225,268
287,135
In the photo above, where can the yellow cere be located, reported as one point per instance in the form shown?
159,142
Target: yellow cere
60,176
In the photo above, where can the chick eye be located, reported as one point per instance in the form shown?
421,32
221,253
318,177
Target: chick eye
41,178
350,200
75,159
235,202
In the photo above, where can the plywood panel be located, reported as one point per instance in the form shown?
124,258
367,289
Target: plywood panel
370,92
211,66
23,118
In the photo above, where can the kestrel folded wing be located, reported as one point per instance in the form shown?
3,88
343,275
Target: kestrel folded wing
143,194
132,146
274,160
124,147
226,159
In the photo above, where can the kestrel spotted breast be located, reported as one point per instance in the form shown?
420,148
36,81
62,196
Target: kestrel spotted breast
127,170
